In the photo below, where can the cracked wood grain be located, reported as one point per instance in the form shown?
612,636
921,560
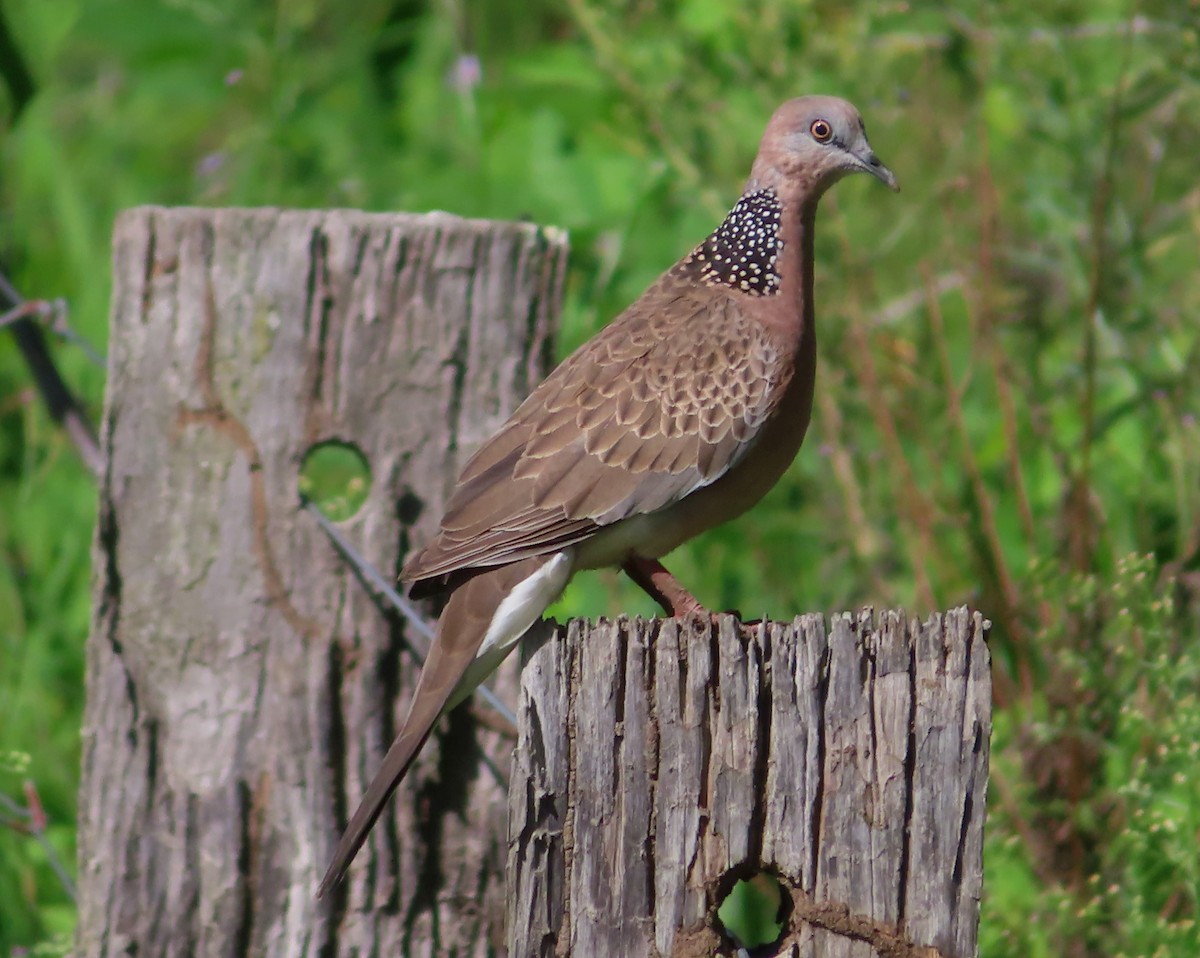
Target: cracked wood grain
241,685
657,761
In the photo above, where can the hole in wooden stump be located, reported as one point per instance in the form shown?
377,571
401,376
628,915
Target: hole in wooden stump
752,909
409,507
336,478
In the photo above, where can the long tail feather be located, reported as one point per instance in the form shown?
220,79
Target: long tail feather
475,612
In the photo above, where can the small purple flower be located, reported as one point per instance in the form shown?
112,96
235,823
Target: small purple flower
210,164
466,74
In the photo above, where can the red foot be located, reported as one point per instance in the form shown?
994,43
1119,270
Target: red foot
663,588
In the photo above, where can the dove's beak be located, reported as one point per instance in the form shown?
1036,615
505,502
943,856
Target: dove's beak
869,163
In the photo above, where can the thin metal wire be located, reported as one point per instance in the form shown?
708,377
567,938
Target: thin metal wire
22,818
52,313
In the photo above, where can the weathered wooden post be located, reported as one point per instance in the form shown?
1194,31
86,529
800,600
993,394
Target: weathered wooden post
658,762
242,687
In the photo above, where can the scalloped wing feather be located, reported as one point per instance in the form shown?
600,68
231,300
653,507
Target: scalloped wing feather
665,400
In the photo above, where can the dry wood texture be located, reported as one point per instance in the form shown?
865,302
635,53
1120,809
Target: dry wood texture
242,686
660,760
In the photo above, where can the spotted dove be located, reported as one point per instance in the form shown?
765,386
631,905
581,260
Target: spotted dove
677,416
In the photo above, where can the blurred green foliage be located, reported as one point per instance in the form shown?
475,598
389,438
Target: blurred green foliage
1008,405
751,911
336,477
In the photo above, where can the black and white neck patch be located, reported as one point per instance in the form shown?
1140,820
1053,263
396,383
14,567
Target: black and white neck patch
743,252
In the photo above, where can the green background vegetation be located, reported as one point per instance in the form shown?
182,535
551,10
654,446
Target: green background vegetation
1010,348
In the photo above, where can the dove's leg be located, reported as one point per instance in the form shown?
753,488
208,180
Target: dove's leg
663,587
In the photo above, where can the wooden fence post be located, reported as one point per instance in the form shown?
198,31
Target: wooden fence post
242,686
657,762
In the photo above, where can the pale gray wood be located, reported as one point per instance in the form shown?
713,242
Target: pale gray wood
242,686
656,759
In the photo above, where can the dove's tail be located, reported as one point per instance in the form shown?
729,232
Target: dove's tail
482,622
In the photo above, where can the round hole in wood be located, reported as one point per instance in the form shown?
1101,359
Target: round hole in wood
336,478
752,909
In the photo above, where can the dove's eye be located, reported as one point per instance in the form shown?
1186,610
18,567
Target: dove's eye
821,131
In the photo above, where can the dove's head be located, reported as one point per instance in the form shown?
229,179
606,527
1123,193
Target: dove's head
811,143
